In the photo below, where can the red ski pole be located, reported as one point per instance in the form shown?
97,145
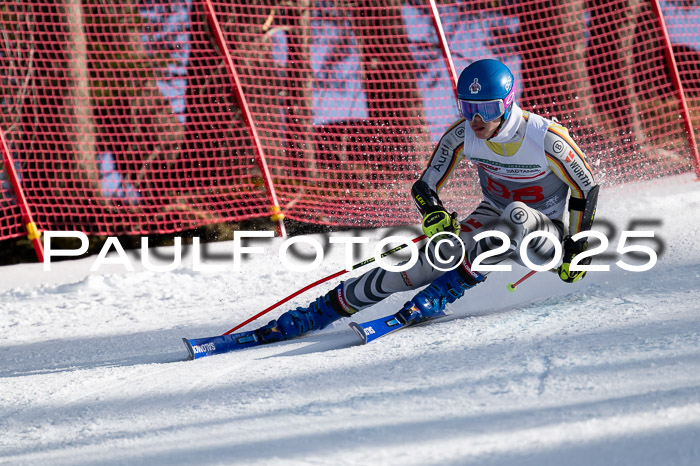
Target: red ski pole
318,282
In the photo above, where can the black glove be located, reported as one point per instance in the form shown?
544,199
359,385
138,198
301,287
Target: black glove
437,220
571,250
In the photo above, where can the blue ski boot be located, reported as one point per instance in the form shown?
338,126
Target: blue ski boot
448,288
325,310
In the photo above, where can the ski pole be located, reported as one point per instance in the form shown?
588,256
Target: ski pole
318,282
512,286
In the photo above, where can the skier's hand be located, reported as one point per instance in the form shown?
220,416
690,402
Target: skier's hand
437,220
571,250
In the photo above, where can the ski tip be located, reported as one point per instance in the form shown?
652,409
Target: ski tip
190,350
360,331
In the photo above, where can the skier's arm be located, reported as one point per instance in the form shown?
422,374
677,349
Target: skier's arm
443,161
446,155
568,162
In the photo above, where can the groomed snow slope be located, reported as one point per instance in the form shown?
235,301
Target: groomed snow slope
606,371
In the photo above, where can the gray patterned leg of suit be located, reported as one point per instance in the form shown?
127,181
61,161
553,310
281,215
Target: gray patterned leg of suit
517,221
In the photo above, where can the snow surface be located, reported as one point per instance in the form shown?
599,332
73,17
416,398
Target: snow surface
606,371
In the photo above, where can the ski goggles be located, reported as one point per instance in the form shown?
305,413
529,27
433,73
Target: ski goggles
488,110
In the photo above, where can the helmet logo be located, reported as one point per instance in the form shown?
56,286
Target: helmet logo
475,87
509,84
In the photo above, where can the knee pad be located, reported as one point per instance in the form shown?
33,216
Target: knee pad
516,214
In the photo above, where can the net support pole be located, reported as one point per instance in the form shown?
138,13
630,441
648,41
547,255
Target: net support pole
444,47
672,67
276,213
33,233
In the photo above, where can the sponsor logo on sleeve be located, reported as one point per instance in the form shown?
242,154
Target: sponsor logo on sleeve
581,174
444,157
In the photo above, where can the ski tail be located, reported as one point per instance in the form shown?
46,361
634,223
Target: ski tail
370,331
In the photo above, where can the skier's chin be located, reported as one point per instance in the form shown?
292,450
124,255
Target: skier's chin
482,132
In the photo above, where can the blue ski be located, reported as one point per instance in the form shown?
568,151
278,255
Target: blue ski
200,347
370,331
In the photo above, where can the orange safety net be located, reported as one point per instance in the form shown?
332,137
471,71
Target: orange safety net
121,117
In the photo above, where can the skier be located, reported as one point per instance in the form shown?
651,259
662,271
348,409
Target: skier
527,167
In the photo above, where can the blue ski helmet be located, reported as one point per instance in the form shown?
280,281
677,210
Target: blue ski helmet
487,88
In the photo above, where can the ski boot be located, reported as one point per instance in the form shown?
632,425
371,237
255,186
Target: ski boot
431,301
320,313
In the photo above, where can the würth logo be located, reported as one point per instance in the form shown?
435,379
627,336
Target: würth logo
475,86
